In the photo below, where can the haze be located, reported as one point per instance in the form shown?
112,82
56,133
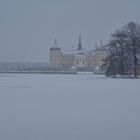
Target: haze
28,27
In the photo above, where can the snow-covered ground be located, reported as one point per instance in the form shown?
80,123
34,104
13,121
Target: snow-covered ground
68,107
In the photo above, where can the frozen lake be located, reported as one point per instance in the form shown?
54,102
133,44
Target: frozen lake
68,107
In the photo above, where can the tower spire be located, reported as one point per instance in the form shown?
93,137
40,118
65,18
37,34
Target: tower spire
101,42
79,44
55,42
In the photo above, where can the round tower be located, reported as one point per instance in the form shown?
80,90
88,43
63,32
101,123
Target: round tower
55,57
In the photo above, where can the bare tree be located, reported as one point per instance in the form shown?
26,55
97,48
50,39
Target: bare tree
119,39
118,53
132,31
124,48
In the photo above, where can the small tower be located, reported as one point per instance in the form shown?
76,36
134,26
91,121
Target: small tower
96,46
55,43
72,50
101,43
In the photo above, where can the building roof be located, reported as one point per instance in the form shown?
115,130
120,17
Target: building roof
55,49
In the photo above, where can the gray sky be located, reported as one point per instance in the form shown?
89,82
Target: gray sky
28,27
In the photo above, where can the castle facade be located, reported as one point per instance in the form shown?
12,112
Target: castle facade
80,59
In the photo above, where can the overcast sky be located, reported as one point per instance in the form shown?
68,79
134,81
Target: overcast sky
28,27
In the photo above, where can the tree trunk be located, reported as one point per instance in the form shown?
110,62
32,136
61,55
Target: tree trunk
135,66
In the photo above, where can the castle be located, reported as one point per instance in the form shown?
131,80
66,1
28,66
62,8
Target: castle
80,60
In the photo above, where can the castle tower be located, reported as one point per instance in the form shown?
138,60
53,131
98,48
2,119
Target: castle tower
55,56
80,57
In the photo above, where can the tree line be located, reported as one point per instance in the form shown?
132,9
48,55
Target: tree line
123,51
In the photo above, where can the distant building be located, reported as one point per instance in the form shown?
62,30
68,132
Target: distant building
23,67
80,59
